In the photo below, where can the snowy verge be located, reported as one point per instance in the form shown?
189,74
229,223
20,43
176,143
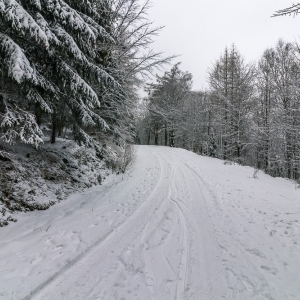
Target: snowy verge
33,179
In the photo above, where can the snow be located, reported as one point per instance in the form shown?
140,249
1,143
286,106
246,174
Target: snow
22,22
45,27
33,179
69,44
36,4
175,226
97,29
18,65
35,97
20,125
78,86
69,17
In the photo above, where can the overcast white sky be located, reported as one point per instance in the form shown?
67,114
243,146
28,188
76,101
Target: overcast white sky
200,30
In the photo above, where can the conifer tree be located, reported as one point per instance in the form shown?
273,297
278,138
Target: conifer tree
49,59
232,89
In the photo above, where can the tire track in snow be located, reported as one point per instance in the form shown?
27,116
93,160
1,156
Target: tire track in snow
181,261
183,270
239,285
98,243
206,259
197,272
182,275
99,255
180,234
179,269
153,226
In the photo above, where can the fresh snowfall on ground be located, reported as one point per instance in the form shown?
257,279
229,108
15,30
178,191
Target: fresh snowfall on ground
175,226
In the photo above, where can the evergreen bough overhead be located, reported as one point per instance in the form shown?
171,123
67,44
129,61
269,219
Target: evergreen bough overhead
51,67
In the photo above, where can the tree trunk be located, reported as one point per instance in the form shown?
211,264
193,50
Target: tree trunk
166,135
156,138
171,138
53,134
38,114
267,126
149,137
172,135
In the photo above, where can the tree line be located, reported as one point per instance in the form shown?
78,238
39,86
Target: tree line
250,112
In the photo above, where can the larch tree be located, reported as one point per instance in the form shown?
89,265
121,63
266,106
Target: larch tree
263,116
232,88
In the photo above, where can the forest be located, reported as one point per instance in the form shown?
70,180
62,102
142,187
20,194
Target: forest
249,114
70,105
73,66
70,71
121,178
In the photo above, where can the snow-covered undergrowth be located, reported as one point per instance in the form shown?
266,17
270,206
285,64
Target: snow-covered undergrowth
33,179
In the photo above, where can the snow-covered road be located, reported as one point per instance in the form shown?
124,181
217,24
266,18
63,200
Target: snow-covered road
177,226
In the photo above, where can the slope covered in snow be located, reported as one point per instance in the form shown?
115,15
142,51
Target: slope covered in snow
176,226
33,179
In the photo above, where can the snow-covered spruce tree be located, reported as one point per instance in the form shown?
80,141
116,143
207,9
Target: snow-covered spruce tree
49,57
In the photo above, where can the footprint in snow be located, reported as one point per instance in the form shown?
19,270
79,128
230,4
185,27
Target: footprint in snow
48,240
255,252
270,270
56,248
93,225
